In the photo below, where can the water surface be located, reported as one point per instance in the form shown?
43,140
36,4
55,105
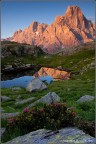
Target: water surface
23,81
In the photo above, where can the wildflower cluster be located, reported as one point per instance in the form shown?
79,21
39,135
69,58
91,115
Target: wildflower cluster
53,116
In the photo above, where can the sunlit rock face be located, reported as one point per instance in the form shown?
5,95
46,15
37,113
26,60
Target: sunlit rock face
56,74
73,28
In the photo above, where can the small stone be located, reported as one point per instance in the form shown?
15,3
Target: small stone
16,89
4,98
85,98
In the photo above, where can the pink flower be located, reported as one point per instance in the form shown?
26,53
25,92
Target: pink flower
58,104
74,114
26,110
53,105
41,110
11,120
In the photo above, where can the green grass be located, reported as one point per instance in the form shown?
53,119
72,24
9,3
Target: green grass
69,91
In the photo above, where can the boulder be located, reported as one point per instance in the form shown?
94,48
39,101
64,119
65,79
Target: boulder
63,136
36,84
4,98
85,98
24,101
47,99
56,74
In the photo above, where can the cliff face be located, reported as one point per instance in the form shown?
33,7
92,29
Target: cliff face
70,29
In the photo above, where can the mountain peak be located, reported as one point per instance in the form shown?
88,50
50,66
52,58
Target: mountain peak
73,10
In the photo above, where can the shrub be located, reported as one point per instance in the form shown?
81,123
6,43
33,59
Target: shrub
87,126
53,116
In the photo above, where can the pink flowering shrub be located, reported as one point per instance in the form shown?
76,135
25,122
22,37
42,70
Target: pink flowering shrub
53,116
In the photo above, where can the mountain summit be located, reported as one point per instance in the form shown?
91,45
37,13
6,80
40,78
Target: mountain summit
73,28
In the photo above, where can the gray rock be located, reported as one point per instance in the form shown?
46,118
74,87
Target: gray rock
2,130
85,99
4,98
59,67
36,84
16,89
24,101
48,99
8,67
9,115
63,136
2,110
28,65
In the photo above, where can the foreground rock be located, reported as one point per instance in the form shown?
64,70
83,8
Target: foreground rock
9,115
85,99
63,136
56,74
4,98
36,84
24,101
47,99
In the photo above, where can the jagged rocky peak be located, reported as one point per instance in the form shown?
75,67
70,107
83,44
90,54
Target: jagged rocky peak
17,32
73,10
36,26
75,18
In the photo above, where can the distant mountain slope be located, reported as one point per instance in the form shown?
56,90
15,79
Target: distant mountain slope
71,29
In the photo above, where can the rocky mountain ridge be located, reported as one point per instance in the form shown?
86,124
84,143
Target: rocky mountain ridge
73,28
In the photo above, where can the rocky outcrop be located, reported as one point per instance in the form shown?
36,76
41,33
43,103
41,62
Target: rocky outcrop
47,99
71,29
85,98
36,84
55,73
17,49
63,136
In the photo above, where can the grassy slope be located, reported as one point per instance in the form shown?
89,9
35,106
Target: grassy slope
69,91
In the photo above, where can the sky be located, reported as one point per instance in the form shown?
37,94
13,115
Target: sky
19,14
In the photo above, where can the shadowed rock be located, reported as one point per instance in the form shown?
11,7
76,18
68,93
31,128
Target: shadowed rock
24,101
47,99
85,98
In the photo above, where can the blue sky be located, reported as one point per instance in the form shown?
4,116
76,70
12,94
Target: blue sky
20,14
